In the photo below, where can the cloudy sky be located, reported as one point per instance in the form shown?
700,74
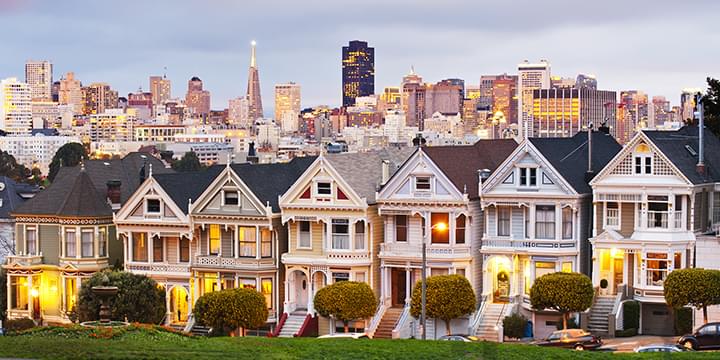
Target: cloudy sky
656,46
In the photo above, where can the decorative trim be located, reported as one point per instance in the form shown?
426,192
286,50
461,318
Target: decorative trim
64,221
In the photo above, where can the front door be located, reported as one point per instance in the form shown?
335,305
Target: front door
502,287
301,290
618,274
399,287
179,304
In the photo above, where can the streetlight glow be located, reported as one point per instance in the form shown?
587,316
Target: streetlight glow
441,226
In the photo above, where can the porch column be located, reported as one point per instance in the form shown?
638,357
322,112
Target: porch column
168,313
558,221
531,223
78,243
595,265
150,248
31,302
219,281
9,290
407,285
128,256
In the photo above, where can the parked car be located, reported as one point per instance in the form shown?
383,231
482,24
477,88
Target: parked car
345,336
465,338
661,348
577,339
706,337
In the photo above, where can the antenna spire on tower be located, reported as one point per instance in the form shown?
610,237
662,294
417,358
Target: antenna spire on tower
252,53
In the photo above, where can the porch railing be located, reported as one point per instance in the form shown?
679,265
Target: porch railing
477,317
375,321
158,267
529,244
657,219
402,328
433,250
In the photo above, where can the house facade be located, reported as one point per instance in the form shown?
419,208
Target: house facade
650,204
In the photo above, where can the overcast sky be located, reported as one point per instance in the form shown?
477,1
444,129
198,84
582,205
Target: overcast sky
656,46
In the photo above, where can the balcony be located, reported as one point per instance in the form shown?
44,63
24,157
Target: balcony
231,263
158,268
25,260
348,255
543,245
85,263
434,251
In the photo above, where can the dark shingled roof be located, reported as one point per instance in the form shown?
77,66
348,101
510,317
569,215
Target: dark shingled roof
569,156
674,145
82,193
270,181
461,163
13,195
182,186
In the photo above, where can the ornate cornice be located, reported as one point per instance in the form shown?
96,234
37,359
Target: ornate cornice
63,220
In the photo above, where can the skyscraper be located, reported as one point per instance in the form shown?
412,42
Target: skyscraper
287,106
565,111
687,103
197,100
71,93
659,112
412,99
38,75
358,71
445,97
253,88
99,97
530,77
632,114
238,112
15,109
160,89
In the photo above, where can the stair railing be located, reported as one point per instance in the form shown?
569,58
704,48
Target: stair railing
401,323
190,323
375,321
279,325
477,317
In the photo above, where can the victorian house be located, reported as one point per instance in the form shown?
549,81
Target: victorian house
651,202
204,231
334,231
65,234
537,207
432,199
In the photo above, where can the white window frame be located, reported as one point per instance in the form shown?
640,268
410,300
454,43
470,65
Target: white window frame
497,221
355,235
92,243
606,224
299,232
429,183
34,229
525,171
147,208
316,188
224,197
332,234
643,159
554,221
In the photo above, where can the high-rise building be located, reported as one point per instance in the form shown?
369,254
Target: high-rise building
98,97
472,92
687,103
287,106
238,112
197,99
563,111
586,81
160,88
358,71
15,107
412,99
38,75
71,93
530,77
142,102
253,88
659,112
391,98
632,114
55,91
445,97
561,82
498,95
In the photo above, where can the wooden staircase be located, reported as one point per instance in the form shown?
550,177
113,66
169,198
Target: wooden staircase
492,316
598,317
293,323
387,323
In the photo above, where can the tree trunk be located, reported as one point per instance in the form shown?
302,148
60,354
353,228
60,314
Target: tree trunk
564,315
705,314
447,326
347,326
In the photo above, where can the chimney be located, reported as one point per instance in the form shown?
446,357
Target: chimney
113,191
700,168
385,172
252,155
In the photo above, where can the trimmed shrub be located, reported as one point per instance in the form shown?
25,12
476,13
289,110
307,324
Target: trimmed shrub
694,287
631,315
139,298
683,321
447,297
230,309
346,301
604,283
514,326
563,292
19,324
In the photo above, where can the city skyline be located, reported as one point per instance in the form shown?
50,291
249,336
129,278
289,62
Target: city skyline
625,49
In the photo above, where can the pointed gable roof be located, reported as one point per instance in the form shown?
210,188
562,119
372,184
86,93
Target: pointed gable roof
569,156
461,163
674,145
184,186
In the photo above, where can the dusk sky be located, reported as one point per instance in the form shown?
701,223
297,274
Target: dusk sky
657,46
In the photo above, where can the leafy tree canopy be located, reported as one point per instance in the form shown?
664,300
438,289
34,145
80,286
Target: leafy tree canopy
346,301
139,298
696,287
67,155
231,309
563,292
189,162
447,297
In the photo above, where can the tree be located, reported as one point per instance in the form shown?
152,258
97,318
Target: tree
563,292
67,155
696,287
447,297
9,167
189,162
3,294
346,301
711,100
139,298
231,309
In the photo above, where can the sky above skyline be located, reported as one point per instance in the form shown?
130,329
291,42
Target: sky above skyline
659,47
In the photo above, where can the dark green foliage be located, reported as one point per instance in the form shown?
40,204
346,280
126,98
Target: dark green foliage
571,324
3,294
230,309
563,292
346,301
711,100
631,315
9,167
447,297
604,283
139,298
683,321
514,326
67,155
19,324
189,162
695,287
626,332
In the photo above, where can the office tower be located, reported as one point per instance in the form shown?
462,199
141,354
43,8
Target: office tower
561,82
632,114
530,77
142,102
38,75
586,81
98,97
391,98
287,106
498,95
197,100
358,71
472,92
55,91
470,114
412,99
564,111
160,88
71,93
659,112
445,97
253,87
687,103
15,107
238,112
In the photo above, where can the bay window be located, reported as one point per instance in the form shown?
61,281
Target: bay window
657,268
340,234
545,222
247,241
18,293
503,221
612,215
543,267
214,239
567,223
31,240
267,288
440,223
360,235
86,243
102,242
139,247
265,242
70,244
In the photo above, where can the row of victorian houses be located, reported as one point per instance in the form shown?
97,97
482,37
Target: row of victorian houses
626,216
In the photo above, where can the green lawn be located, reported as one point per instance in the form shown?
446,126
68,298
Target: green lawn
64,344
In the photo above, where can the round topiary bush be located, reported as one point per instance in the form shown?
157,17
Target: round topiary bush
447,297
563,292
230,309
346,301
139,298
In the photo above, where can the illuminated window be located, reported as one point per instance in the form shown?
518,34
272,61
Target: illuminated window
139,244
267,290
542,268
265,242
70,293
247,283
247,242
567,267
214,239
18,293
440,234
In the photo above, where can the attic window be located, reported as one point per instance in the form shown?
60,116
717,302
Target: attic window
324,188
231,198
422,183
153,206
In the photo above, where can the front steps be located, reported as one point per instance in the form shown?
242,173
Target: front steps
491,317
598,316
293,323
387,323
